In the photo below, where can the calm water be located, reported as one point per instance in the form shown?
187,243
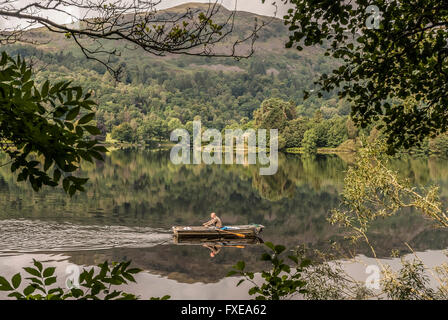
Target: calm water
135,197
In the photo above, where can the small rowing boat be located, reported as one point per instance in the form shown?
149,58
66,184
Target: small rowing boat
224,242
243,231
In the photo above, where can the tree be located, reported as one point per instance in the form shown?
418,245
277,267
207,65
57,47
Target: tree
388,51
274,114
123,132
439,144
173,124
322,130
46,129
161,129
155,128
190,31
352,130
294,132
337,132
309,142
146,132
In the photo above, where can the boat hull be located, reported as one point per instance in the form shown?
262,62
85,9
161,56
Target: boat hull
230,232
222,241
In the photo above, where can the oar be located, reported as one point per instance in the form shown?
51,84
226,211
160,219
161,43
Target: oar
237,234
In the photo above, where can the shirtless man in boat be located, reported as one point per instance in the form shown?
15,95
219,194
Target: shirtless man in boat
215,221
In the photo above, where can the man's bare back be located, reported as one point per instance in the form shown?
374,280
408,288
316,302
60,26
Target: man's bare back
215,221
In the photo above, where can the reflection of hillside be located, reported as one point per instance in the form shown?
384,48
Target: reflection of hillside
187,264
146,187
143,188
274,187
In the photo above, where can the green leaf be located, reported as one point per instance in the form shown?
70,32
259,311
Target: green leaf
87,118
269,245
72,190
26,76
293,258
240,282
45,87
27,87
96,289
253,290
35,280
66,184
79,131
112,295
16,295
279,249
56,290
32,271
266,257
4,285
29,290
48,272
69,125
285,267
125,265
50,281
231,273
16,280
134,270
129,277
36,263
92,130
77,292
305,263
72,114
4,59
56,175
47,163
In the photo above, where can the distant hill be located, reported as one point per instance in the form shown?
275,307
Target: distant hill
221,91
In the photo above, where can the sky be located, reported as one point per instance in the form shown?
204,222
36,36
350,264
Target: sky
254,6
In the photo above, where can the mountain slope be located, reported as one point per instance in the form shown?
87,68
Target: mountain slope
221,91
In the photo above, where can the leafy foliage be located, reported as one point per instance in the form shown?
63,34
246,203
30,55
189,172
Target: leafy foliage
274,114
93,284
309,141
410,283
46,129
372,190
282,282
395,71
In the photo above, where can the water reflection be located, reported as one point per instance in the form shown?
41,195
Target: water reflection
135,197
24,236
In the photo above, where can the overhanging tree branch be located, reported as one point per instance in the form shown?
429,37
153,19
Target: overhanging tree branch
183,30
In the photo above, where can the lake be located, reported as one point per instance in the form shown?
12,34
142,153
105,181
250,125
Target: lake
135,196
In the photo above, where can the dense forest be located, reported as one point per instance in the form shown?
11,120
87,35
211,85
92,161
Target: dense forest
155,95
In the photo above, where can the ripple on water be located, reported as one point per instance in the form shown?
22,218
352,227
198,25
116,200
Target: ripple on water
25,235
